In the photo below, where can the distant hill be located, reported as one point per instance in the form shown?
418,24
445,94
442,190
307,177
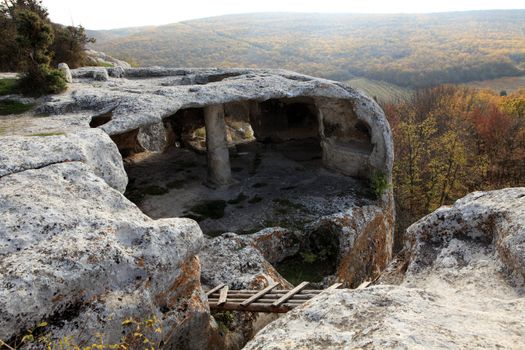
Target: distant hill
406,50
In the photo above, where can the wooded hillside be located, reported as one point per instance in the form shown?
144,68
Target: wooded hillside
407,50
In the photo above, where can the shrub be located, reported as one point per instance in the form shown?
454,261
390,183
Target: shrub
8,86
14,107
379,183
35,35
40,80
68,45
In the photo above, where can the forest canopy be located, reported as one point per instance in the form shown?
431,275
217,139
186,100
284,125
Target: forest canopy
407,50
452,140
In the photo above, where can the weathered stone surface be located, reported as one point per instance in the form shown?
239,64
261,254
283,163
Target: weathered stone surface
219,169
460,285
233,260
495,218
364,236
91,146
18,98
153,137
101,75
99,58
116,72
156,93
75,253
274,243
390,317
64,68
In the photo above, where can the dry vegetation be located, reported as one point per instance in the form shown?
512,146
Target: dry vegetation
504,85
406,50
381,91
450,141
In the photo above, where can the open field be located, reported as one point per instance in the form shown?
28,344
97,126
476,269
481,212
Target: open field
380,90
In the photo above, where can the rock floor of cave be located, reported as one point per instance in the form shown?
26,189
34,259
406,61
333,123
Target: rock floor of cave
281,184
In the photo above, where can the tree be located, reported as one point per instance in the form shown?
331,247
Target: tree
450,141
34,36
69,45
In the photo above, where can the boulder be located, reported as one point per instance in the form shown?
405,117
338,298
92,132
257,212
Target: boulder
99,58
91,146
64,68
116,72
153,137
101,75
75,253
478,221
274,243
363,236
458,284
233,260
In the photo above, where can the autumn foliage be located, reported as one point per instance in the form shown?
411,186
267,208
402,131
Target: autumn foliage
452,140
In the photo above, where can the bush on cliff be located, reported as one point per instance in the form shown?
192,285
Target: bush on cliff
23,49
34,36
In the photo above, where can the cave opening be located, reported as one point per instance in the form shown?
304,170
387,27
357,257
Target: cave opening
315,260
271,159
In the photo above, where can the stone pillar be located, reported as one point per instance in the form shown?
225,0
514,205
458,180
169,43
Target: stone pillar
219,171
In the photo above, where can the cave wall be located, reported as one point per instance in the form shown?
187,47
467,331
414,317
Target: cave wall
345,140
284,119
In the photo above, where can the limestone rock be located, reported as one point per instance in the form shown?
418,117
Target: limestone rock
101,75
460,284
495,219
354,127
77,254
390,317
232,259
91,146
116,72
64,68
235,261
364,236
18,98
99,58
274,243
153,137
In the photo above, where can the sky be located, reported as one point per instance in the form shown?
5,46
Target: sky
109,14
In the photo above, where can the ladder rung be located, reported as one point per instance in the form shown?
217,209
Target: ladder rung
290,294
259,295
223,295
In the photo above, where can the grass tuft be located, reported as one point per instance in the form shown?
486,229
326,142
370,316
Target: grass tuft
13,107
8,86
48,134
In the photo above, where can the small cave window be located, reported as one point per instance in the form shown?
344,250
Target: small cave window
127,143
99,120
364,129
186,129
